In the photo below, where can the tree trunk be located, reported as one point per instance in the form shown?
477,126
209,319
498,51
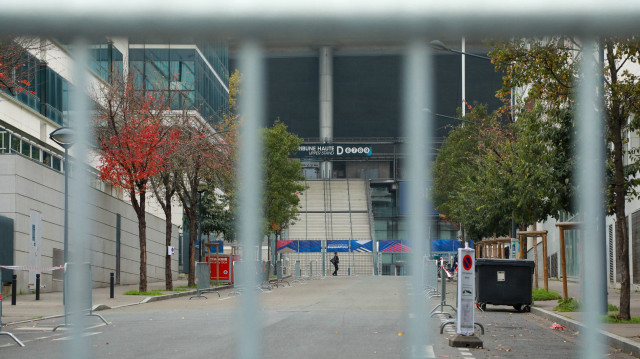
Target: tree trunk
617,120
139,207
622,235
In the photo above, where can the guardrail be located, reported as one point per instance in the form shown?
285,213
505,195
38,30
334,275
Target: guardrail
409,23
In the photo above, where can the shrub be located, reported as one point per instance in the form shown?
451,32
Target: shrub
541,294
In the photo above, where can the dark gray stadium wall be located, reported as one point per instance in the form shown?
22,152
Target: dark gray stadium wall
368,92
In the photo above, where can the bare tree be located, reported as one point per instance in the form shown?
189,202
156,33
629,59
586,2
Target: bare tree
135,144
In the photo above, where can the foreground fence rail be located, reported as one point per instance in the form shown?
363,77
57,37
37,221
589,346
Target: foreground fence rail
252,24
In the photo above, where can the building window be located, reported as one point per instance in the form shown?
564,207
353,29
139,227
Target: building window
185,77
46,158
4,142
56,164
35,153
53,92
26,149
15,144
107,60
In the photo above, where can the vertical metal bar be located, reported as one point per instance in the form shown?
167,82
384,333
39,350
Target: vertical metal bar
112,283
464,75
14,289
417,130
250,195
590,179
66,205
79,197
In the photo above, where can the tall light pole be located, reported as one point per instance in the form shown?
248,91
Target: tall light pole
438,45
64,136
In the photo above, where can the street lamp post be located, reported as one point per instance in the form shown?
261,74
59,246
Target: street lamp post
438,45
64,137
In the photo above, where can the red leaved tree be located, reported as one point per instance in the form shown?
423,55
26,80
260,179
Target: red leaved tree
135,145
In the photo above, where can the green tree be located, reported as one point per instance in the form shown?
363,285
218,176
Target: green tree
217,218
282,179
547,71
543,165
490,171
457,185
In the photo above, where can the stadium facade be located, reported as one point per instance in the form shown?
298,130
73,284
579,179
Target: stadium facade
345,102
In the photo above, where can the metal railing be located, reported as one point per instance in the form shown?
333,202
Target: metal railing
251,25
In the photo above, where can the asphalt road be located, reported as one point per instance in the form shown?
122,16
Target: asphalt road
338,317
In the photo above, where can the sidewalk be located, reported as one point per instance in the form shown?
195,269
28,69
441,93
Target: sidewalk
622,336
50,304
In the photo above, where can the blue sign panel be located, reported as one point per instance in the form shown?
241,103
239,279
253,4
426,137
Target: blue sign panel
346,245
447,245
217,244
311,246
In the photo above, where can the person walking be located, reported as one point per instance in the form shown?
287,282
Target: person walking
335,260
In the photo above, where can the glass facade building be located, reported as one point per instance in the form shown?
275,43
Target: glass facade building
107,60
194,76
44,91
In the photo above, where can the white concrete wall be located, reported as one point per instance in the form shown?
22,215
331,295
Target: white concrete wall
26,186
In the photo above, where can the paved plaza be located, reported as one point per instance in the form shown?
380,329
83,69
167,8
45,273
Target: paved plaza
340,317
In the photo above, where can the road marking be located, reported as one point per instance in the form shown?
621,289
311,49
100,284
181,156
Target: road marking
426,352
448,330
96,326
35,329
83,334
429,353
40,338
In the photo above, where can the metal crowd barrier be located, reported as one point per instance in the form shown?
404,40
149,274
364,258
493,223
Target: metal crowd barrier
2,332
203,280
430,278
74,306
252,23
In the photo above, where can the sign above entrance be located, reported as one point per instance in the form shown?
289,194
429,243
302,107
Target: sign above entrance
333,150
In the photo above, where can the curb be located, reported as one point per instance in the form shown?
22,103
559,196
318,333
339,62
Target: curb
101,307
613,340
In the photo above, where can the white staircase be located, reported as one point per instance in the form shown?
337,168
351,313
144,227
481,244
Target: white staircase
332,209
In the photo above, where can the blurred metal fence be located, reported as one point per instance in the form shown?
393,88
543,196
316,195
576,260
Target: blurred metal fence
410,23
